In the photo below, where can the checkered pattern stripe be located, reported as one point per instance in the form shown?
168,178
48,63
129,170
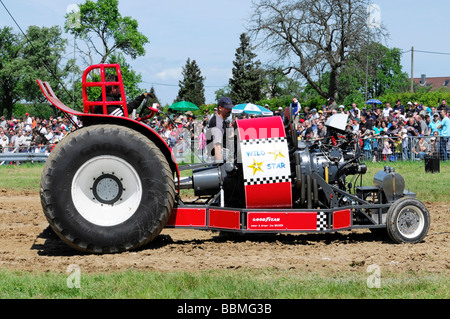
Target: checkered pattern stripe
267,180
321,221
263,141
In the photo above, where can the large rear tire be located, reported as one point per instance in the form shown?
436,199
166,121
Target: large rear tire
407,221
107,189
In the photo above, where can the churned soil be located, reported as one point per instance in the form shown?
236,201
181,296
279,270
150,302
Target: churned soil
28,243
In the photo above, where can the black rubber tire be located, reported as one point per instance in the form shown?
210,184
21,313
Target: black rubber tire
407,221
152,207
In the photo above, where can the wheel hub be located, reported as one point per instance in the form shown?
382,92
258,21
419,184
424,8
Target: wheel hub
408,221
107,189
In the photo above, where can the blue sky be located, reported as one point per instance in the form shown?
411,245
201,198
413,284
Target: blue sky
208,31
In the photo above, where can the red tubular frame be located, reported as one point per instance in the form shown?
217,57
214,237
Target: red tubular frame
88,106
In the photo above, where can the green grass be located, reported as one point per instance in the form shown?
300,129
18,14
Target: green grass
222,284
427,186
432,187
25,177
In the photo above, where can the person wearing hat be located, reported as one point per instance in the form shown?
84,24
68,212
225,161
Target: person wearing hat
433,125
218,127
28,122
434,145
296,108
314,114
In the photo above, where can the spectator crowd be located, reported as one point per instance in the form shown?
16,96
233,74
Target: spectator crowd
32,134
385,132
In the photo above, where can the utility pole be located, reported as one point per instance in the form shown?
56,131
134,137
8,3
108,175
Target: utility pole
412,69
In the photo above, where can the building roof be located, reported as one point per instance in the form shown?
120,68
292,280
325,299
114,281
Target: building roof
435,82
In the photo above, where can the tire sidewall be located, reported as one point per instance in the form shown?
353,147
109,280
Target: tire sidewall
392,220
138,152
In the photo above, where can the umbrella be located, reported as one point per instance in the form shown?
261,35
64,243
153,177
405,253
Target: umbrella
250,108
374,101
183,106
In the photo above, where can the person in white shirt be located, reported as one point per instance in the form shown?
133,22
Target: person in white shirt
4,140
387,109
355,112
28,123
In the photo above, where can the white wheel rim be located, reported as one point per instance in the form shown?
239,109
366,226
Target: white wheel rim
410,221
106,190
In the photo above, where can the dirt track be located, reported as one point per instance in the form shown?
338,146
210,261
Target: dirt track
26,243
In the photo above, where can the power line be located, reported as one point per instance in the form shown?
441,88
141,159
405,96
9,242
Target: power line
176,85
427,52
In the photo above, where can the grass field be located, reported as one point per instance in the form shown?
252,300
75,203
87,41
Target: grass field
233,284
427,186
236,284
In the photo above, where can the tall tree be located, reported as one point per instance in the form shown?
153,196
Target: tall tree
23,59
276,84
153,98
102,21
312,37
10,77
247,80
192,88
383,69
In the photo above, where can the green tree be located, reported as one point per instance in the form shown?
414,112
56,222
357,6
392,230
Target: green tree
103,20
39,54
383,69
277,84
10,77
153,98
131,79
247,80
310,37
192,88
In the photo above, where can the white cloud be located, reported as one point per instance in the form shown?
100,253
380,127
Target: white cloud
170,74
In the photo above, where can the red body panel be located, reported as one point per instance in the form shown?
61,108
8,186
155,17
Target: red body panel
342,219
282,221
187,217
225,219
265,161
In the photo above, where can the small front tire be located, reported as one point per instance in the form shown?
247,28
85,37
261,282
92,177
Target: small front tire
408,221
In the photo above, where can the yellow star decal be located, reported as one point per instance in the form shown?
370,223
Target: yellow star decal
256,166
276,154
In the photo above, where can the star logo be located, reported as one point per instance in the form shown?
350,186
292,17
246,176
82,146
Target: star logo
256,166
276,154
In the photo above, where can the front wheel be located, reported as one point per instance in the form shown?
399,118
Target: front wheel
107,188
408,221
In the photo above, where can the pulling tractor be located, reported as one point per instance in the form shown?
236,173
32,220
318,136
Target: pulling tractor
113,184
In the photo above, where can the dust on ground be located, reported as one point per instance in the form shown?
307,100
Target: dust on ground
27,243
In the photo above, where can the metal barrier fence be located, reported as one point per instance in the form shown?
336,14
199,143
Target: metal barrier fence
373,149
377,149
386,148
15,155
